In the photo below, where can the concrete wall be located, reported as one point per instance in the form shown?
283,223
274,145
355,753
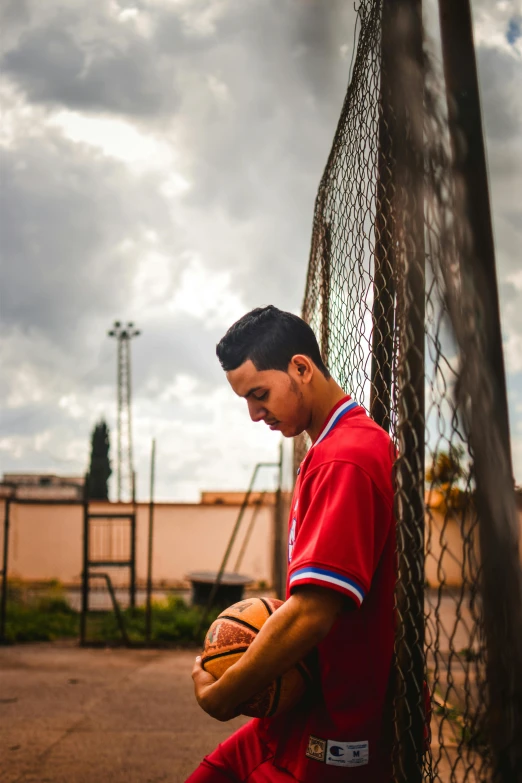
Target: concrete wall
451,544
46,541
452,552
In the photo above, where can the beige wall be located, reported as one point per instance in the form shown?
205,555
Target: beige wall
450,555
452,549
46,541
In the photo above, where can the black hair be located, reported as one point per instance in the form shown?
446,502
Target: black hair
269,337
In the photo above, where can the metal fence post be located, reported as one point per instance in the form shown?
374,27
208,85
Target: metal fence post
383,311
484,385
148,615
325,250
235,530
3,604
403,55
132,585
85,568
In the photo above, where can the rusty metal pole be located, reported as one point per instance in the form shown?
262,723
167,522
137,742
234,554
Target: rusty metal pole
383,309
3,605
85,568
148,616
382,337
498,529
326,274
133,531
235,530
402,33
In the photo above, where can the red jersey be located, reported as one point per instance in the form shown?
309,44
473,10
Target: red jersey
342,536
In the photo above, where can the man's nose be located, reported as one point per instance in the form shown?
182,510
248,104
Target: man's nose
257,412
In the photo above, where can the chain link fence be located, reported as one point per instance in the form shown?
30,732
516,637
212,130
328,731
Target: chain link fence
407,320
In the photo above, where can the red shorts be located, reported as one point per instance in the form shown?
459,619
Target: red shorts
242,758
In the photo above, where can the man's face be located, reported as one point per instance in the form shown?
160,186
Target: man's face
274,397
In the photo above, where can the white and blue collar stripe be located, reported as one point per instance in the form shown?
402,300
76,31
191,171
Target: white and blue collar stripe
334,419
318,575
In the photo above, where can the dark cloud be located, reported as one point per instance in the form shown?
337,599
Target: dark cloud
58,62
86,57
14,14
65,213
248,96
255,111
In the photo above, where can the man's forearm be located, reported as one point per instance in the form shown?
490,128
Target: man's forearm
286,637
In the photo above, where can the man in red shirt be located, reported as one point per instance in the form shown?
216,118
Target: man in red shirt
341,574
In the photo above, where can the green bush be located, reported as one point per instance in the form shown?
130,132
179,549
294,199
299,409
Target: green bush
172,620
39,616
44,614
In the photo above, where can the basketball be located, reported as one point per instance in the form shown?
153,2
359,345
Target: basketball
229,637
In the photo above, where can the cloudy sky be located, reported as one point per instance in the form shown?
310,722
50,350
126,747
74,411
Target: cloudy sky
160,160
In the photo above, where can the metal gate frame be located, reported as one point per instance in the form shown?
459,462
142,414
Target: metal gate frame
88,565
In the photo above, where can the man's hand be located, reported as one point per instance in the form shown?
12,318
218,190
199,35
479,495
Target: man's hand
206,694
285,638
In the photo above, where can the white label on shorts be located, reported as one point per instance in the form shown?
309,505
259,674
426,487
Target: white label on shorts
347,754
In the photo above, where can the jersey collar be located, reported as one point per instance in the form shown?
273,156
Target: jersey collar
341,409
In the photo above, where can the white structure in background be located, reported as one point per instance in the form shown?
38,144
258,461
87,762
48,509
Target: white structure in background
41,486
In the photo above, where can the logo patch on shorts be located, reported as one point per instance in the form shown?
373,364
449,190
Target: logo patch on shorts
347,754
316,748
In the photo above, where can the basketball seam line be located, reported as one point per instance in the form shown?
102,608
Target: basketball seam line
240,622
267,605
223,654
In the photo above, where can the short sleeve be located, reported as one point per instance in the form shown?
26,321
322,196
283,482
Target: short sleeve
343,524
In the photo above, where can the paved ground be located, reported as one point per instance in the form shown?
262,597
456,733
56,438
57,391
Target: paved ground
71,715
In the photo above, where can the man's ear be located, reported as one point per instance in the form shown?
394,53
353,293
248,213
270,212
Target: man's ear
301,367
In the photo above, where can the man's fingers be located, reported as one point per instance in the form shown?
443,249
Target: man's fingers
197,666
199,675
205,695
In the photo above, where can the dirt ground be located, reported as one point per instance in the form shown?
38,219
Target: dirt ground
72,715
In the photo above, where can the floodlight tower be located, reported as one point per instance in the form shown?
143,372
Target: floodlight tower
125,472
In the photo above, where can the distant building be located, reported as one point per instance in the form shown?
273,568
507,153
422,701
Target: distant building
41,486
227,498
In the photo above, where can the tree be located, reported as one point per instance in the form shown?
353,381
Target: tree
445,474
446,467
100,467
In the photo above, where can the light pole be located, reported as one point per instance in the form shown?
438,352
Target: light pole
124,334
